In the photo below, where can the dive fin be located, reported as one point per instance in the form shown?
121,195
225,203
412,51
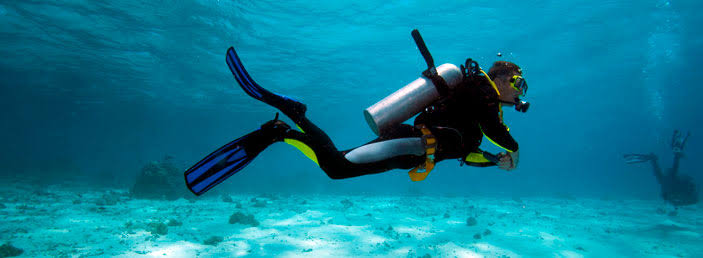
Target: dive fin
290,107
637,158
233,157
221,164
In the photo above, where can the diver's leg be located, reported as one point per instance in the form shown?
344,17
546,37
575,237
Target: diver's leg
334,162
675,166
655,167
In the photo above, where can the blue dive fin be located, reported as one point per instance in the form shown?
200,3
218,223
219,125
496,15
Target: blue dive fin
242,76
220,165
289,106
638,158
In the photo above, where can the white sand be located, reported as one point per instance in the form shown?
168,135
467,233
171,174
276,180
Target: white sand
49,223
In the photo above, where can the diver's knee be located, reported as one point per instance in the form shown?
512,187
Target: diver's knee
335,174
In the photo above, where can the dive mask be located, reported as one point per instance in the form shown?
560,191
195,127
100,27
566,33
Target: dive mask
519,84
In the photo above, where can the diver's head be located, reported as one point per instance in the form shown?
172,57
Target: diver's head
508,78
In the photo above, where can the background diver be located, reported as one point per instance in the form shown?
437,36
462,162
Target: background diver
451,126
676,189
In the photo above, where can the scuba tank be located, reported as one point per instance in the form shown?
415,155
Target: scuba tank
435,83
409,100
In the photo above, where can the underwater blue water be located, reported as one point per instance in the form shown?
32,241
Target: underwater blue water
95,90
92,92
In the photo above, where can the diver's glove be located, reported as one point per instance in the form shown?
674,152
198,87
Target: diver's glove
508,161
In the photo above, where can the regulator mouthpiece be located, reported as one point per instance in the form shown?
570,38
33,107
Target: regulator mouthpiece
521,105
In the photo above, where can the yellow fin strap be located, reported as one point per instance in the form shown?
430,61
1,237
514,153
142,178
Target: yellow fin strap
430,143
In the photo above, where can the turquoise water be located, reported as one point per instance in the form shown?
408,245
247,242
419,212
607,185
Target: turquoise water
94,91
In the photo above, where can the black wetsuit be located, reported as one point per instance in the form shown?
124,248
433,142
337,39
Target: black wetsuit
458,122
676,189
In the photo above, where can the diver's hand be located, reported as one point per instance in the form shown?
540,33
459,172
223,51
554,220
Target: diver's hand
508,161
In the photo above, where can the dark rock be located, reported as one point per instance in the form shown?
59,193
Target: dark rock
245,219
227,198
213,240
7,250
580,248
487,232
471,221
661,211
477,236
157,228
517,199
346,203
160,180
238,206
174,223
307,250
258,203
108,199
446,215
673,213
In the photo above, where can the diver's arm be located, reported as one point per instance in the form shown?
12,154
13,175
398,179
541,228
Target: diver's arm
492,126
657,170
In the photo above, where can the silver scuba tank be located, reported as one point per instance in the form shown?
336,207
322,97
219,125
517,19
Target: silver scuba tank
410,100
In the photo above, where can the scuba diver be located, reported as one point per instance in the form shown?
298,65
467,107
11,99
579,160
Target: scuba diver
676,189
457,106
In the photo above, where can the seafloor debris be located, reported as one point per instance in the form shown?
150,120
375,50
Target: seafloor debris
157,228
7,250
258,203
108,199
346,203
174,223
245,219
213,240
160,180
471,221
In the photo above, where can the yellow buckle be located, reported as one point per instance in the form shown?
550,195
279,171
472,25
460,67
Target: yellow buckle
421,172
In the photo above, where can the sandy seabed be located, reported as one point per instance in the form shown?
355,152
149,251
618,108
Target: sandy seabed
60,223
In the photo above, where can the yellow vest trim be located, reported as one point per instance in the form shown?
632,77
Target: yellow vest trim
304,148
492,83
496,144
